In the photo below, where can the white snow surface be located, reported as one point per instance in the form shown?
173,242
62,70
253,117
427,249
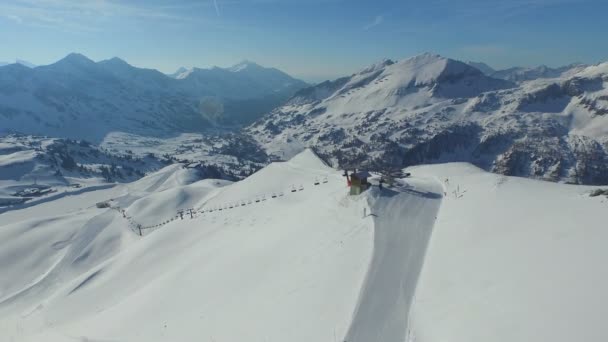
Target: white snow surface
284,268
512,259
450,254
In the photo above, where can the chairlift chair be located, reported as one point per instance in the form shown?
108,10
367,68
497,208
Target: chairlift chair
325,180
293,188
274,195
317,181
301,187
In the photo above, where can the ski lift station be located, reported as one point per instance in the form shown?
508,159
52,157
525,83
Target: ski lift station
357,181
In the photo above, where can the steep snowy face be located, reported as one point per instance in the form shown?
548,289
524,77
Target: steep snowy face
434,109
79,98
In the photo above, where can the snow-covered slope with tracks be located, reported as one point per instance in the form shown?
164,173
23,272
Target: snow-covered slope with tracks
451,253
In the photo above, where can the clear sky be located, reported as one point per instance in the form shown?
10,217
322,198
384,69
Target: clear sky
310,39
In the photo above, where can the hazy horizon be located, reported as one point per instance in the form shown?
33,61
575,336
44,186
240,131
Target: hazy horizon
311,40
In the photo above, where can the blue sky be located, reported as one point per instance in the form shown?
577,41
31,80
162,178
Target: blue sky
311,39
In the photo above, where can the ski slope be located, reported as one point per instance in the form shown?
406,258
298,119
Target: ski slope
404,219
288,267
452,253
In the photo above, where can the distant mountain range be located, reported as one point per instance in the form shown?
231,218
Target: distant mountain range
546,123
76,97
19,61
522,74
430,109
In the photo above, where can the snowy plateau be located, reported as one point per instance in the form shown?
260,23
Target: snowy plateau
138,206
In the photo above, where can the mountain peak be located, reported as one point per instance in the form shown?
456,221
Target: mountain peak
377,66
117,60
76,58
180,70
245,64
20,62
182,73
25,63
429,68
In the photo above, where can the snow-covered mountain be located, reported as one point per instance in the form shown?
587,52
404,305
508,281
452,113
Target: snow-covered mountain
521,74
241,93
246,80
78,98
430,109
180,73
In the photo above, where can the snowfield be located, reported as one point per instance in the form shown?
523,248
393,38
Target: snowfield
512,259
450,254
289,267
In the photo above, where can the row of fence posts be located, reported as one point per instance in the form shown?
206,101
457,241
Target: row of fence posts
138,228
258,199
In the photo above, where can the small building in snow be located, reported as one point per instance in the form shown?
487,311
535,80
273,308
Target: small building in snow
357,181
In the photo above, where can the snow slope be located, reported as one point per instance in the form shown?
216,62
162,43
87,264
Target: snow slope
289,267
512,259
403,224
452,253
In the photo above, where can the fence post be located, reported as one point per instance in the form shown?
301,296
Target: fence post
139,227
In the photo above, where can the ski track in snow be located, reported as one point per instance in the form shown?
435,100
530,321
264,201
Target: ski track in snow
403,222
